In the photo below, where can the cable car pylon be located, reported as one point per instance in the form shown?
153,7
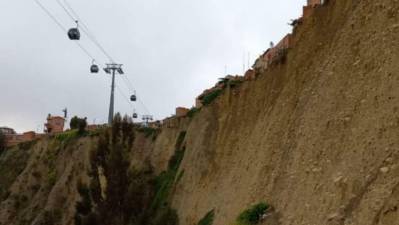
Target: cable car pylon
111,69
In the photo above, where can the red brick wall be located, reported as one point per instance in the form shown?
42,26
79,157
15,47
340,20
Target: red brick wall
29,136
55,124
307,11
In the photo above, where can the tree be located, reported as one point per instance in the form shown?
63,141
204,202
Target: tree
79,124
2,142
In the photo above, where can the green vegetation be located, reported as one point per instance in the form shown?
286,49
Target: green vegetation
252,215
27,145
67,136
52,177
2,143
210,97
208,218
83,207
79,124
192,112
180,176
235,83
133,196
148,131
12,163
165,181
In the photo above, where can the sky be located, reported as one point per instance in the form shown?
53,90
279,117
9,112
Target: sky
171,50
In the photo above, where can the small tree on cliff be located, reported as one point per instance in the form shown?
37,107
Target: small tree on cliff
2,142
79,124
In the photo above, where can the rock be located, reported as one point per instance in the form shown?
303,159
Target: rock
384,170
333,216
338,179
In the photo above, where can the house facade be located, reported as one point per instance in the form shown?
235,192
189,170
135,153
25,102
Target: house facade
54,125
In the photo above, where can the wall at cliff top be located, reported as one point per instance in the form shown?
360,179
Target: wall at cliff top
316,137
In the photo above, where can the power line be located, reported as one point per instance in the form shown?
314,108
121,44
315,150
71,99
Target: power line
69,14
92,38
127,83
62,27
85,29
124,96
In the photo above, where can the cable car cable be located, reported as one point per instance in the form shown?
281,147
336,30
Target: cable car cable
127,83
62,27
84,28
126,80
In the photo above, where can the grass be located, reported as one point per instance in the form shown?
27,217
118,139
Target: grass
208,218
180,176
165,181
252,215
67,136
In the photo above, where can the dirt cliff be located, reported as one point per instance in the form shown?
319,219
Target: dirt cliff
316,137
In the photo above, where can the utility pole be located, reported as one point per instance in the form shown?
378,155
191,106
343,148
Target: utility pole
111,69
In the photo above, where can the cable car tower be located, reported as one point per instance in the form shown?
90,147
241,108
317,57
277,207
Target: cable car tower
146,119
111,69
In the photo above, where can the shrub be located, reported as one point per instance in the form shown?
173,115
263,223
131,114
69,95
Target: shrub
235,83
79,124
210,97
208,218
83,207
252,215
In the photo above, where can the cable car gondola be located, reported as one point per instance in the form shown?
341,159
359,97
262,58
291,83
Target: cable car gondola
74,33
94,68
135,116
133,98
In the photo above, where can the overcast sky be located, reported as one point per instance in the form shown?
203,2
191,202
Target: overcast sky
171,51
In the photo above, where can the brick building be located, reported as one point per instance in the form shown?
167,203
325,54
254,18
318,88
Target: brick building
54,125
12,138
272,54
7,131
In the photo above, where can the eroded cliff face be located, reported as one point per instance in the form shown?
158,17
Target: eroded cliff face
316,137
